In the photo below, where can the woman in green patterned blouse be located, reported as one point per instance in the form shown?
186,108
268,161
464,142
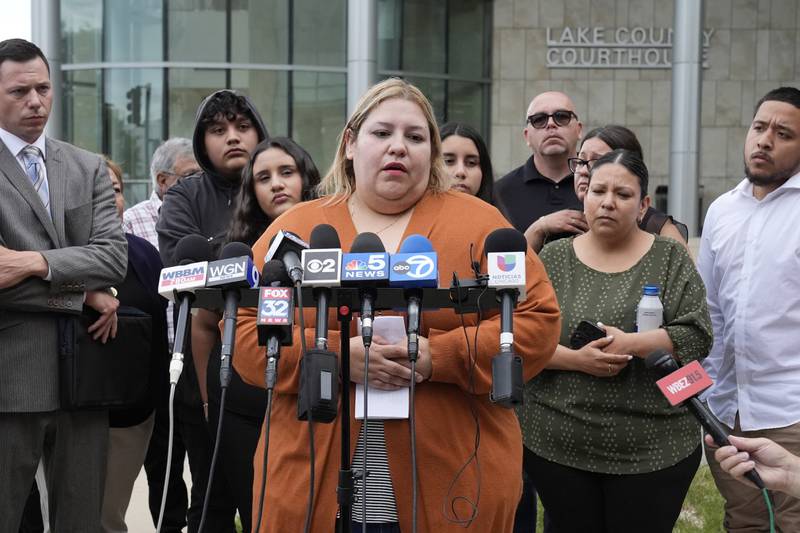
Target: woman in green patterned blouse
604,448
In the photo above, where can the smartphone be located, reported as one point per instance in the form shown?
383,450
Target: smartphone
585,333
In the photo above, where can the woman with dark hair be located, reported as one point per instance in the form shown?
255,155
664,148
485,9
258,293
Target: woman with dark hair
279,175
256,205
606,452
467,161
602,140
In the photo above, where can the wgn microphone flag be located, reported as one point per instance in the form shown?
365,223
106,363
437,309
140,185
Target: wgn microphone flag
234,271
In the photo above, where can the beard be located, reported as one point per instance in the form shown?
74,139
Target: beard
778,178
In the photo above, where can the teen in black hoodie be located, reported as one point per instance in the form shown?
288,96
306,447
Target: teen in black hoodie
227,129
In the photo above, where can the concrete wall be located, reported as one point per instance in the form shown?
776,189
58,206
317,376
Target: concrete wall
755,47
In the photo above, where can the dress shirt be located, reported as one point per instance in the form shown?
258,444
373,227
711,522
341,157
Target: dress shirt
16,145
140,219
750,262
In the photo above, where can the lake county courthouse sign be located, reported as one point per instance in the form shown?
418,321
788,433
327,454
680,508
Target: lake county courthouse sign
629,48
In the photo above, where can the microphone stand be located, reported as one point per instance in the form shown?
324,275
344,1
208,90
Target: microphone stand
344,490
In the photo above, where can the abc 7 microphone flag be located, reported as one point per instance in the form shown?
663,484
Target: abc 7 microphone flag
409,269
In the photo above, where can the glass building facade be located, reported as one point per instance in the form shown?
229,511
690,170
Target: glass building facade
134,71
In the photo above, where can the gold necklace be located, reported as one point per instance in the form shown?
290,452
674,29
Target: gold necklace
392,223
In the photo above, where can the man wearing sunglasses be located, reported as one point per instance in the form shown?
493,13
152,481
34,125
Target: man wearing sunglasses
539,200
539,197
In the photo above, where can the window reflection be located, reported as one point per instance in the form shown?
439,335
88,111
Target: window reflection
466,102
187,88
82,118
81,31
269,92
468,37
428,39
319,106
134,124
197,30
320,33
132,30
260,31
424,33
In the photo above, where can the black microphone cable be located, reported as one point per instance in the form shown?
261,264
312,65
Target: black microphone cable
229,251
450,500
311,451
273,273
413,353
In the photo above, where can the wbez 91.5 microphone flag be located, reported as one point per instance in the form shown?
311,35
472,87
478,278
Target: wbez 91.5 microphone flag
681,385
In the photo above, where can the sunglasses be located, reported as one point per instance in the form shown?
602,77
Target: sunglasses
562,117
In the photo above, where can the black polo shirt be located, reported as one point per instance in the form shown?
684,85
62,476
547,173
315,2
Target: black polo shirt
527,195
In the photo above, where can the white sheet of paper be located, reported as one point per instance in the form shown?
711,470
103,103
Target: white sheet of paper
384,405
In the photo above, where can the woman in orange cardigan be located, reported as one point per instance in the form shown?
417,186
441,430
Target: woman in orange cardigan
388,178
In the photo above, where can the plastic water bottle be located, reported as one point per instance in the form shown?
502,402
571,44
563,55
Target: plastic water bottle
650,312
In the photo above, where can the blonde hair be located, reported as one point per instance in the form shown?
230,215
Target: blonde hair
340,179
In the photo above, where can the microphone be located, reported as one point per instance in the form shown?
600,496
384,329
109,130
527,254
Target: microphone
322,270
319,368
234,270
178,283
275,315
505,256
190,273
287,247
681,385
367,268
414,268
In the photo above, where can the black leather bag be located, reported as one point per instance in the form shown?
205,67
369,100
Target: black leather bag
101,376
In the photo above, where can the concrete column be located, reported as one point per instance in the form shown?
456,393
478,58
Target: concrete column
46,34
362,49
684,162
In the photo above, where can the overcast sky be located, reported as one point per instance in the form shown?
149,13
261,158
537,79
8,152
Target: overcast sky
16,19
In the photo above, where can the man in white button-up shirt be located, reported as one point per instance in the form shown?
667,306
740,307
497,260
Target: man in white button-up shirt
750,262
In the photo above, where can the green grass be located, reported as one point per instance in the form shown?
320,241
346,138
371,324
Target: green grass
702,510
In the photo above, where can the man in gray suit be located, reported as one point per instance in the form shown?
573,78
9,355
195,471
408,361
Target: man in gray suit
61,247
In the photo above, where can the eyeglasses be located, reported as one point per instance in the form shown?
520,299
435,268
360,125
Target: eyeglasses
562,117
575,162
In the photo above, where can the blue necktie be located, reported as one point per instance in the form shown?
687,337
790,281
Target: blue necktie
32,157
